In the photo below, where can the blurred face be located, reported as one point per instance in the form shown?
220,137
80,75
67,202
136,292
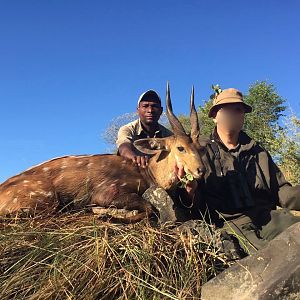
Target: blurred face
149,112
230,117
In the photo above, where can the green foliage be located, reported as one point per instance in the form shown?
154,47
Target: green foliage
279,134
217,90
186,179
207,123
185,121
288,144
263,123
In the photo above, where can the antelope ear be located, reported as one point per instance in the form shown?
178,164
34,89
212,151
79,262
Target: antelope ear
150,145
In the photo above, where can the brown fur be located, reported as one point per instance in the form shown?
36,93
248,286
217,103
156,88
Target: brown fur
102,180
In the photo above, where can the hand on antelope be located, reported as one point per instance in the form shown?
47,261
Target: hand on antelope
127,150
141,160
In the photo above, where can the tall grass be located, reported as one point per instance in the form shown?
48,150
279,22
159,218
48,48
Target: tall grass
78,256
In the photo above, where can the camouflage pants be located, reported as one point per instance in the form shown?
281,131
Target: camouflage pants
162,202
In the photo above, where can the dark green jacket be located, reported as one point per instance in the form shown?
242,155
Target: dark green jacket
243,181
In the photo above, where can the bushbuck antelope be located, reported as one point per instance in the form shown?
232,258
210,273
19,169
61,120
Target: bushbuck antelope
106,180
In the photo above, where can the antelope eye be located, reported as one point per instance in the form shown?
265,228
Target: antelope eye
180,149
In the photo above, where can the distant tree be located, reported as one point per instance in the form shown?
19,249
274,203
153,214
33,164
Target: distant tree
275,128
288,144
111,132
263,123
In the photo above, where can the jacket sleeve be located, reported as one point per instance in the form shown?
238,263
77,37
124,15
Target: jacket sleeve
288,195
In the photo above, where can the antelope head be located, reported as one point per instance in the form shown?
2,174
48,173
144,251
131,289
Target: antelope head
178,151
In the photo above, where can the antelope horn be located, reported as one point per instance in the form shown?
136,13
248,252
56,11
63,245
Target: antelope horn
175,123
195,129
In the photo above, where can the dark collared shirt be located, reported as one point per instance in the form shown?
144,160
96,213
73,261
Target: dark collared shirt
248,166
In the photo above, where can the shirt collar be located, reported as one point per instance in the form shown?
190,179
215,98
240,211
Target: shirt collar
244,142
215,138
141,130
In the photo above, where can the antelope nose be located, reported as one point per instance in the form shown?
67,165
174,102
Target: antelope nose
201,170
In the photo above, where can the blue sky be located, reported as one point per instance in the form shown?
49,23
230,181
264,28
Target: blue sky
68,67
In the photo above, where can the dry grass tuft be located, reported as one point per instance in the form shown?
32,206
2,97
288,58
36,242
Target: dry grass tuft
77,256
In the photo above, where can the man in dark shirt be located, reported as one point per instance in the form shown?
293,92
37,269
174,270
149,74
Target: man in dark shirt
242,184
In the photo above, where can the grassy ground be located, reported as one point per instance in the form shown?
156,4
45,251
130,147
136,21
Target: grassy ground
78,256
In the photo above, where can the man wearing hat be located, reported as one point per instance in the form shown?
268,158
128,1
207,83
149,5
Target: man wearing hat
149,110
242,184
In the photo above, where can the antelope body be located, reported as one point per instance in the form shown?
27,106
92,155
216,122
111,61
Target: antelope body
105,180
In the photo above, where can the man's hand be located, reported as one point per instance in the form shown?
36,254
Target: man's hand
141,161
127,150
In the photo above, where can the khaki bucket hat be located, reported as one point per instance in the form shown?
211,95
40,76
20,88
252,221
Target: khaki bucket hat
229,96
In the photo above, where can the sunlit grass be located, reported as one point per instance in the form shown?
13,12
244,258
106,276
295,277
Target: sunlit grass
77,256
